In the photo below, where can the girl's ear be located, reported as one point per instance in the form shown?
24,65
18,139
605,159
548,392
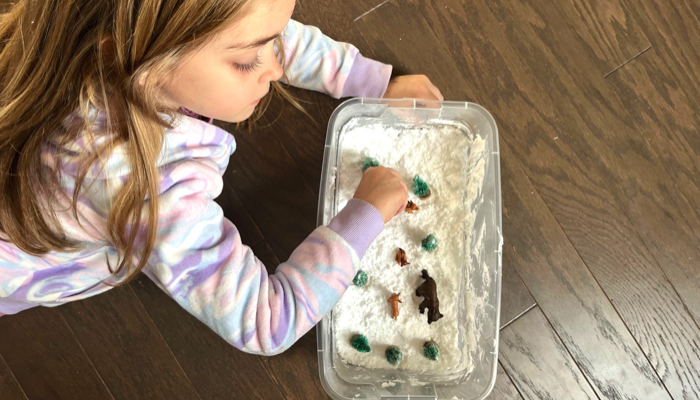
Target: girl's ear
142,78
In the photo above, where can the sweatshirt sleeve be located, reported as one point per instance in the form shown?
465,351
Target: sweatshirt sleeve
201,262
314,61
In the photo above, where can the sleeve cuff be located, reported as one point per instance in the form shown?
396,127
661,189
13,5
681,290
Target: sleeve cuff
367,78
359,223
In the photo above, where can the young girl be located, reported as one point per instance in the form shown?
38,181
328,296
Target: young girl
108,168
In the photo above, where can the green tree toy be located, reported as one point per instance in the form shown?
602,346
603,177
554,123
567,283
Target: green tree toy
359,343
393,355
429,243
420,188
369,162
360,278
431,351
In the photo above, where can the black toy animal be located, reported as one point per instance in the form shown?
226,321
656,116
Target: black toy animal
428,290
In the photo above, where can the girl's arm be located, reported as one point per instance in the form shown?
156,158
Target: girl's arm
316,62
200,261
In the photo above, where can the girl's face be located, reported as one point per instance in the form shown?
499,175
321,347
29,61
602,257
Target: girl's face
226,78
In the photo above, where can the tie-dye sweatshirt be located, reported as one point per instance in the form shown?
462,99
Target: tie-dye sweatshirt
198,258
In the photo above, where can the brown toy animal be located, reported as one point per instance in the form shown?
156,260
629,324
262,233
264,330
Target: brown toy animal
401,257
394,301
428,290
411,207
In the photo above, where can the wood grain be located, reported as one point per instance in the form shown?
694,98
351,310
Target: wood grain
673,240
294,371
515,298
654,96
126,348
9,388
673,29
236,212
302,136
657,95
592,171
46,359
504,388
538,363
569,295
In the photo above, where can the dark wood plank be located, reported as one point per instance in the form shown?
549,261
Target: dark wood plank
538,363
216,369
673,29
126,348
46,359
504,389
515,298
295,371
9,388
236,212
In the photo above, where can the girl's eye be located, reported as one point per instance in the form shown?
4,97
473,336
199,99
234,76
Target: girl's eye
245,68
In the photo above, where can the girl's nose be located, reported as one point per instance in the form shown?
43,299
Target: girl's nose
273,70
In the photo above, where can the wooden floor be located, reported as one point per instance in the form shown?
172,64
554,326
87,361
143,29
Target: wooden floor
597,104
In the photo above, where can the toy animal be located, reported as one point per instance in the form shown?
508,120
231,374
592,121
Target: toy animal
401,257
428,290
411,207
394,301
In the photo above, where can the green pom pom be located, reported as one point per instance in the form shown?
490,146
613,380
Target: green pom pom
431,351
359,343
360,279
393,355
369,162
420,188
429,243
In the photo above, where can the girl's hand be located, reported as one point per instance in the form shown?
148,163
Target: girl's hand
384,189
412,87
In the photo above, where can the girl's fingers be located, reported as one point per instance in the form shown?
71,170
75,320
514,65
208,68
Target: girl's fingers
401,209
436,92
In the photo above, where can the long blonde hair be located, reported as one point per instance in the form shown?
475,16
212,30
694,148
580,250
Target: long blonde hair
54,60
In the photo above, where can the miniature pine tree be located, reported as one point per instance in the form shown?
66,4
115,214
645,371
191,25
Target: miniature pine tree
431,351
430,242
393,355
369,162
359,343
420,188
360,278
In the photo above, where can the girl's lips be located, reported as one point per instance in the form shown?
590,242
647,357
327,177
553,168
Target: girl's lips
258,100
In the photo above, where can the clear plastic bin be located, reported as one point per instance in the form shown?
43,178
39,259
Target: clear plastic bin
483,271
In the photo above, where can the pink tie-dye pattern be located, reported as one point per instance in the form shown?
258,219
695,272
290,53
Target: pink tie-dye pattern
331,61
